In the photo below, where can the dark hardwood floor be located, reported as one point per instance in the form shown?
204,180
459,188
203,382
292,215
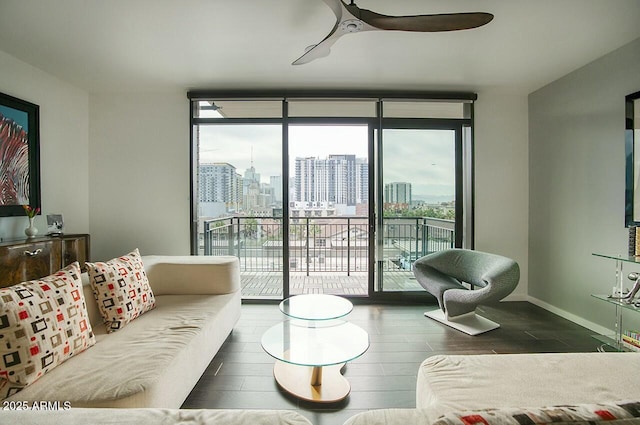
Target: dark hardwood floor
240,376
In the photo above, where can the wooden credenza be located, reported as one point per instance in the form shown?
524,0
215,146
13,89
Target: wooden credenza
28,259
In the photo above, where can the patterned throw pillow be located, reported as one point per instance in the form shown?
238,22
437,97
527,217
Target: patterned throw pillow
580,414
121,289
42,323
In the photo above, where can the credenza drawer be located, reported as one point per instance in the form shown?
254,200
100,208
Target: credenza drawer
34,258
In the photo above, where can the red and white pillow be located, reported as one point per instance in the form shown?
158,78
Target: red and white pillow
42,323
579,414
121,289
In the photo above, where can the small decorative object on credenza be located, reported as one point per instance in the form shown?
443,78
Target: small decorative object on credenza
31,212
55,223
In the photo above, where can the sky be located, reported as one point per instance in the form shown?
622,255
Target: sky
424,158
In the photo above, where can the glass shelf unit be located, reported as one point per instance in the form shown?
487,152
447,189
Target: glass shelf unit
615,341
608,341
625,259
616,302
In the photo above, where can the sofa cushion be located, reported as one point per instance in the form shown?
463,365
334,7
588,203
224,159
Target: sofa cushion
153,362
121,289
576,414
42,323
207,274
448,383
152,417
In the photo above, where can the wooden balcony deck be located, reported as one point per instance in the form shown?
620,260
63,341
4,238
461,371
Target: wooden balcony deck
256,285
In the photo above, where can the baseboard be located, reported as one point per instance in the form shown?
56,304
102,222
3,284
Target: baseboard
516,297
599,329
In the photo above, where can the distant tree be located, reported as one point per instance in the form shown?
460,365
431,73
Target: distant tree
251,228
299,231
442,213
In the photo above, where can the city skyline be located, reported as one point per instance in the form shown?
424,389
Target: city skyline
423,157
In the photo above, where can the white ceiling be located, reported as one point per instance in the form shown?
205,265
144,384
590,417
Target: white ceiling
150,45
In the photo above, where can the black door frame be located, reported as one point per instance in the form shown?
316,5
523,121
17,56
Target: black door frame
376,125
455,125
371,124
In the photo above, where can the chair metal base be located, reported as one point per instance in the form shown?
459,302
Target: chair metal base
470,323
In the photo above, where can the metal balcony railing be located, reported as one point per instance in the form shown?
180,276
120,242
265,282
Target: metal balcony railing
336,244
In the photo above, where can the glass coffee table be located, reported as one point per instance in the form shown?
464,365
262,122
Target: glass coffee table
312,347
316,307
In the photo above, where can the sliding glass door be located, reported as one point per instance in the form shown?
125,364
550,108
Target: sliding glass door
417,201
240,202
329,232
330,195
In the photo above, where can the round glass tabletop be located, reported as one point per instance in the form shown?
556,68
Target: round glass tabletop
327,343
316,307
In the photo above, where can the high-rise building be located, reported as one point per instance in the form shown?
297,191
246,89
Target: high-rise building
251,189
304,179
276,188
219,182
397,193
343,178
362,181
250,176
333,179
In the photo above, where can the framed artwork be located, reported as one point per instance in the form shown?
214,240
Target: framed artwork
55,224
632,151
19,155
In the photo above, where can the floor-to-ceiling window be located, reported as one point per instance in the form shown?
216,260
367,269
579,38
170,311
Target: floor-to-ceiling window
329,208
423,179
237,189
330,194
418,202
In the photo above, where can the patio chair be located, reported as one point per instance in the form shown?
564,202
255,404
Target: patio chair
443,273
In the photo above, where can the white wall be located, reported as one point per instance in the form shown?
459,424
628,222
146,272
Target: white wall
139,173
502,179
577,183
64,123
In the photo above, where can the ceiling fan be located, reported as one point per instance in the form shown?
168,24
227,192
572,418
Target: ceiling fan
350,18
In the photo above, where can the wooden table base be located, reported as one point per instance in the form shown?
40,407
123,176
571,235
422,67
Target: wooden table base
330,386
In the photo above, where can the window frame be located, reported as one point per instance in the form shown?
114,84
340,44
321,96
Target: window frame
465,173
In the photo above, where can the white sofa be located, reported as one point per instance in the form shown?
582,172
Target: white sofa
155,360
152,417
503,385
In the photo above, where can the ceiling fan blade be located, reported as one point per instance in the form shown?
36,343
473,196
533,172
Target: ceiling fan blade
320,50
345,23
350,18
425,23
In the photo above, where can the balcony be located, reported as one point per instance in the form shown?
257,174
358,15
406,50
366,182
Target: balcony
326,255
